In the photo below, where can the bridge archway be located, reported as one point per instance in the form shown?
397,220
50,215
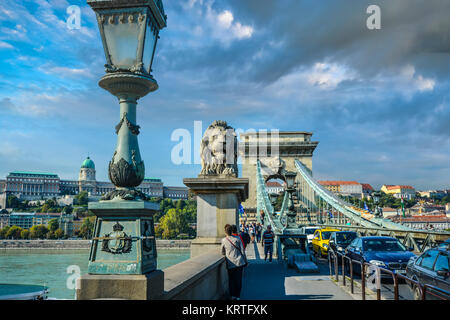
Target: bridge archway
277,154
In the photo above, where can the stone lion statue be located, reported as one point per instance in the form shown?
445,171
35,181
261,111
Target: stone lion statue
218,150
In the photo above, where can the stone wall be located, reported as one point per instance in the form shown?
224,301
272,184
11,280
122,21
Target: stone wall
203,277
80,244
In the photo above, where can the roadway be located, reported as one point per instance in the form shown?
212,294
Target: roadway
264,280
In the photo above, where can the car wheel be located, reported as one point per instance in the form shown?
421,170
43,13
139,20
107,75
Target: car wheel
417,293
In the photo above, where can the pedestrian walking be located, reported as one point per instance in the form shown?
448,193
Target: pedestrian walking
267,241
233,250
262,215
252,233
258,232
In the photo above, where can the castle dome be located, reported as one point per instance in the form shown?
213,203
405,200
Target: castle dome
88,163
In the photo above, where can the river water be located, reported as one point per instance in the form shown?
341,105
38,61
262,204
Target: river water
52,267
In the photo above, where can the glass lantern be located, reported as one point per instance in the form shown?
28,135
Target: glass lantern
129,30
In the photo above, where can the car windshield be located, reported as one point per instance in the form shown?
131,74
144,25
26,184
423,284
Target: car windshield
310,231
326,235
345,237
383,245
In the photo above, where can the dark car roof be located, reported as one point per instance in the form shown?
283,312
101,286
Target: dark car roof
345,231
446,248
377,237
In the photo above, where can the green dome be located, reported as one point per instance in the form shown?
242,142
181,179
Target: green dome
88,163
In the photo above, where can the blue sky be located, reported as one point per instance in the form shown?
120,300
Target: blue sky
376,100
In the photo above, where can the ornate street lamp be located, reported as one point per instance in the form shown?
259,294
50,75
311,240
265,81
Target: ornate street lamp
129,30
290,188
376,200
124,239
290,179
273,198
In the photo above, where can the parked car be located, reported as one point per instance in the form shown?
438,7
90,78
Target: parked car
386,252
445,244
340,240
321,240
431,268
309,231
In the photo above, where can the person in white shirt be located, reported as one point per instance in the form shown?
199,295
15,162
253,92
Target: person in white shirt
233,250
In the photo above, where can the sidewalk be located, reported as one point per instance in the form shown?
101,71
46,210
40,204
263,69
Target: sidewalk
274,281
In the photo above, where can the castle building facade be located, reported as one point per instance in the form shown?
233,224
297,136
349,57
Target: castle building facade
36,185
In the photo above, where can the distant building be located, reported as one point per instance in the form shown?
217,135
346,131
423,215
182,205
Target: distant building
26,220
366,190
389,212
399,191
427,208
30,185
2,200
274,187
176,193
23,220
429,222
433,194
76,225
35,185
4,220
345,188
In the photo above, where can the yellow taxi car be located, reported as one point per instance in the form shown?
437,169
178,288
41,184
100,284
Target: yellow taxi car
321,240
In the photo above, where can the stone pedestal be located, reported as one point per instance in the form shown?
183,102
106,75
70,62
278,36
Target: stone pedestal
130,287
122,260
218,200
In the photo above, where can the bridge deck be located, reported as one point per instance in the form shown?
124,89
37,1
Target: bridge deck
274,281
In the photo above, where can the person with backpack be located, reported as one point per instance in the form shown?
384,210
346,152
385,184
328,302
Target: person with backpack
245,238
233,250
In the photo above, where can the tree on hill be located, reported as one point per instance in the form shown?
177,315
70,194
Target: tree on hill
3,232
87,228
25,234
38,231
173,223
82,198
53,224
14,232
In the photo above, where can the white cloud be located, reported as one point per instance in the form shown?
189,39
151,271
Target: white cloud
328,76
219,25
67,72
225,19
408,77
226,29
5,45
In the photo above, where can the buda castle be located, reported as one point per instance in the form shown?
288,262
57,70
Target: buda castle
37,185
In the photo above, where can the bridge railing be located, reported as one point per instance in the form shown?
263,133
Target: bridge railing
315,189
330,198
420,240
424,288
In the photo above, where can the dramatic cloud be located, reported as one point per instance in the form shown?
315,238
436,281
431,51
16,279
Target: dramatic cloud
377,100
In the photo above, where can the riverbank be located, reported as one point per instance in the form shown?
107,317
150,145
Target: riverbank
80,244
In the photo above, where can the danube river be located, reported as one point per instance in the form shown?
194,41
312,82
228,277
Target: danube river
50,267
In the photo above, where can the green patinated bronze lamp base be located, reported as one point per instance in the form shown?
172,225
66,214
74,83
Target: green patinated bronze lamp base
124,239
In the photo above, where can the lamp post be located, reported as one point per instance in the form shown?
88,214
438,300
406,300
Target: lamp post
124,240
376,199
273,198
290,188
129,30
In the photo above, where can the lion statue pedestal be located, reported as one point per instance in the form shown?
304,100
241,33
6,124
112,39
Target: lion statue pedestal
218,202
218,189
